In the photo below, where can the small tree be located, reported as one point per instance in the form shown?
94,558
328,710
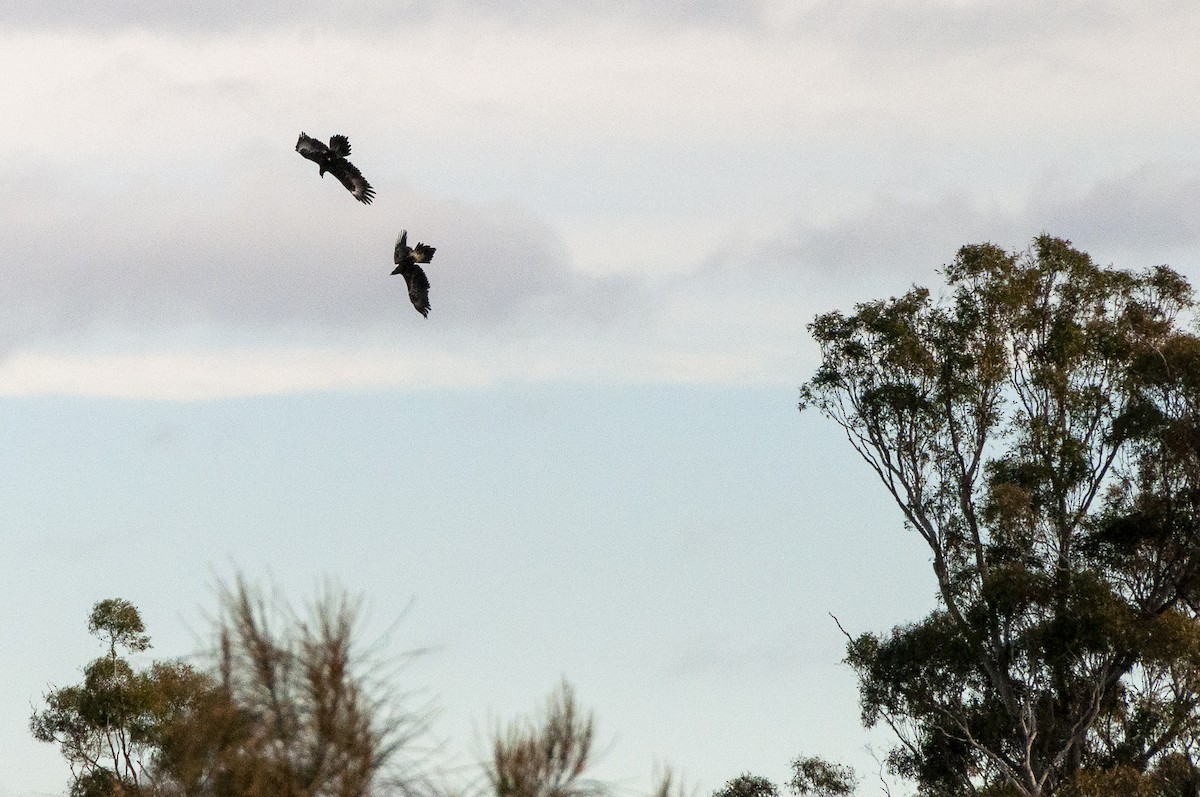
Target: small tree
810,776
292,707
747,785
108,726
820,778
546,757
297,709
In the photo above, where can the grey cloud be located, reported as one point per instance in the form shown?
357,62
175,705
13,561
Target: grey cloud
930,26
232,15
499,263
891,243
278,249
885,246
208,17
1152,208
934,28
281,249
894,235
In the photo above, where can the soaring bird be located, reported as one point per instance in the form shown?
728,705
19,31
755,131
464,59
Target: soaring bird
332,159
406,258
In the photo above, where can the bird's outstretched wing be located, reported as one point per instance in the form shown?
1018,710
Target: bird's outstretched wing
423,253
418,286
341,145
352,178
312,149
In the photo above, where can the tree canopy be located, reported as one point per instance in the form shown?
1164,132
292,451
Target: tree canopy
811,777
1039,428
547,756
289,704
110,726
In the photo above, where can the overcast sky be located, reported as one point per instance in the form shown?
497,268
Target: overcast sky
586,461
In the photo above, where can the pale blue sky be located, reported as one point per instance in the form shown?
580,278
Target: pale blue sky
672,550
587,461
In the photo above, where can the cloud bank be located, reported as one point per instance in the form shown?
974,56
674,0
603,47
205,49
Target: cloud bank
606,204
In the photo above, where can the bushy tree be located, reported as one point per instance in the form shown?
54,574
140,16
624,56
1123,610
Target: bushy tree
547,756
109,726
820,778
1038,429
811,777
297,709
748,785
291,706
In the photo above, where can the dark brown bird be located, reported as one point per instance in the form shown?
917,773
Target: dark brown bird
332,159
407,257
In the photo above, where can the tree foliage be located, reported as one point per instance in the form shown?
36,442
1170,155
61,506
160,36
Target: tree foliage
291,706
297,709
747,785
811,776
547,757
1039,428
820,778
109,726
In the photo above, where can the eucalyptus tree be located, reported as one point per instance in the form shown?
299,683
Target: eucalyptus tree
1037,426
748,785
290,703
109,726
811,777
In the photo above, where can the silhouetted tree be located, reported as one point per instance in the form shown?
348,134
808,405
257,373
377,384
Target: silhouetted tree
747,785
820,778
1038,428
811,776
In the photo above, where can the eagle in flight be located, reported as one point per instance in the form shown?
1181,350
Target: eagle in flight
332,159
407,257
